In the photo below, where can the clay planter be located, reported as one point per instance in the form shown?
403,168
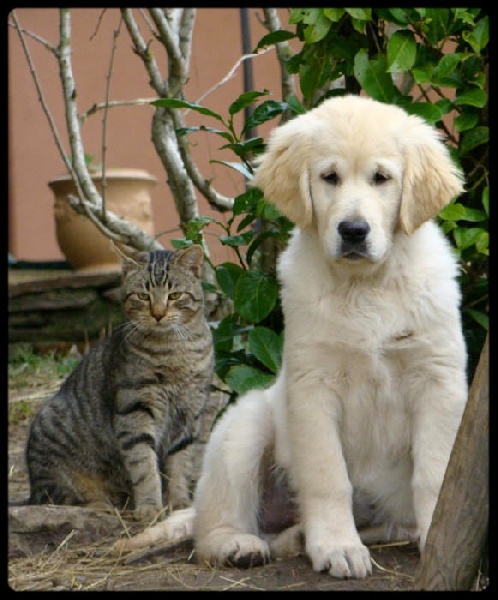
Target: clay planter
83,245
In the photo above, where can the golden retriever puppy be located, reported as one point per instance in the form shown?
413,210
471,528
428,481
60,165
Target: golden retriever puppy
358,428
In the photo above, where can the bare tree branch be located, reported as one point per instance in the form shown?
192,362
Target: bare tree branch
272,23
177,76
142,50
215,199
185,34
80,170
104,119
22,32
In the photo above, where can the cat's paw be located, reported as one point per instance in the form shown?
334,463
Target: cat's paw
178,526
289,542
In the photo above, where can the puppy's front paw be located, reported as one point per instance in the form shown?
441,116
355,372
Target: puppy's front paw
341,560
245,551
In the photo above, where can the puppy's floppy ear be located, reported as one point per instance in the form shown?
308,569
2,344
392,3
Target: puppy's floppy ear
282,173
430,178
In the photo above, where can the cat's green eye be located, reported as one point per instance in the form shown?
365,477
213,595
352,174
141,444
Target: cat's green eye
175,295
143,296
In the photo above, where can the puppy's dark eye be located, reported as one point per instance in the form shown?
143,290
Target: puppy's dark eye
380,178
331,178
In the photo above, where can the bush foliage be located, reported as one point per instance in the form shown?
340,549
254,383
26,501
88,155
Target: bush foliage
431,61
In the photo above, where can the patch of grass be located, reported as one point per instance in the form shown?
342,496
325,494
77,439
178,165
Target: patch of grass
19,411
30,369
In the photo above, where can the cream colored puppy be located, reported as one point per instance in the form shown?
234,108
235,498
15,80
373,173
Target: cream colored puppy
366,408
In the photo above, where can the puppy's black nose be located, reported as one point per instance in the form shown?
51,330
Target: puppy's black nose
353,231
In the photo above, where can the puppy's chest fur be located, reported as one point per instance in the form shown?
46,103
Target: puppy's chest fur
365,351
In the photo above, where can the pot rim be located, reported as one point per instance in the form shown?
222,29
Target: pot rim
111,173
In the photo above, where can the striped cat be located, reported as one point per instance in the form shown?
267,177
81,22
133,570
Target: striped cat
115,430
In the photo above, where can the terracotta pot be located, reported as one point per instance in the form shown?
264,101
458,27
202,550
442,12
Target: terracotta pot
83,245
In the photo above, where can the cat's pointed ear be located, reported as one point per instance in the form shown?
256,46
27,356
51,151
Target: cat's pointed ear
190,258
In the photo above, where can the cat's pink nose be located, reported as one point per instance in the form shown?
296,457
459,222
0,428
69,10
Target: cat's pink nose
158,314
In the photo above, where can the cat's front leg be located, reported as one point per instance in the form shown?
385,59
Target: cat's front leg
136,436
179,471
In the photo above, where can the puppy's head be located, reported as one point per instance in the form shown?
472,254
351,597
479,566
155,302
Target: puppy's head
353,128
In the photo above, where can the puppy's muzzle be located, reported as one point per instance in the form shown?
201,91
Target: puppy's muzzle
354,238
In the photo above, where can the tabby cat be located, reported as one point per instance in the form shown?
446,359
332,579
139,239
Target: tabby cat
115,430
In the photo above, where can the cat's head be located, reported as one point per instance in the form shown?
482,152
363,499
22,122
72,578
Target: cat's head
162,289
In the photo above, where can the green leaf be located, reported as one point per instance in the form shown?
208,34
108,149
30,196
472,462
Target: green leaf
474,97
224,134
209,288
182,243
309,78
447,65
478,37
243,378
297,15
195,226
437,20
244,100
452,212
227,276
266,346
264,112
240,167
479,317
399,16
242,149
362,14
334,14
234,241
175,103
373,77
423,73
275,37
473,138
295,105
430,112
485,199
482,243
468,236
465,121
474,215
318,29
401,51
255,295
247,201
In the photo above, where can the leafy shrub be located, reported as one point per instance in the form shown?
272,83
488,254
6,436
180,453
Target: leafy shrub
431,61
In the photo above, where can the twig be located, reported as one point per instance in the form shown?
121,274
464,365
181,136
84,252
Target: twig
41,97
115,36
228,76
398,574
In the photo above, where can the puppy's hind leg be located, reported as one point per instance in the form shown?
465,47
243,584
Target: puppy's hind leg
228,493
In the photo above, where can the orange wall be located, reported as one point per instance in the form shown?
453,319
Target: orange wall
33,157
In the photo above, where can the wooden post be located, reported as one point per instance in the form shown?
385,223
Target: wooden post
458,533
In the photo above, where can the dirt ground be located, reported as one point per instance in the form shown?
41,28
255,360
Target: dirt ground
71,548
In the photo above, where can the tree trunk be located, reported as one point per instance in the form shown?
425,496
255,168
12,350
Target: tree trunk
458,534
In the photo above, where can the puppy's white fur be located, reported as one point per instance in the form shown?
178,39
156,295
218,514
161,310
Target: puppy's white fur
373,383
